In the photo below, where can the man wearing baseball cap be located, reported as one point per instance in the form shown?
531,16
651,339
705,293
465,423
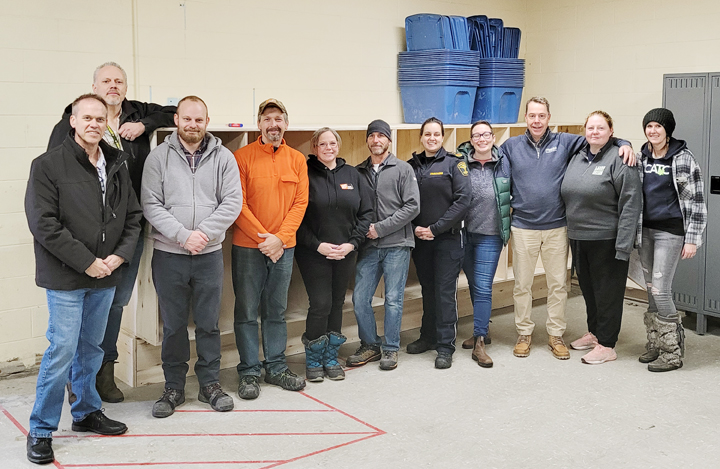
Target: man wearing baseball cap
275,194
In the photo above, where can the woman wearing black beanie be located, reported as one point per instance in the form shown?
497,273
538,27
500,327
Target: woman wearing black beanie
673,221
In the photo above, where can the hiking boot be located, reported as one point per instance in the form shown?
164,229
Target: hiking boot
39,450
97,422
105,384
651,347
389,360
522,346
365,354
479,354
165,406
558,347
216,397
599,355
286,379
333,369
585,342
249,387
420,346
443,360
314,351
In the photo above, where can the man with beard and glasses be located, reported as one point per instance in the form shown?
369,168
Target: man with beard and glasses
191,194
275,179
130,125
386,251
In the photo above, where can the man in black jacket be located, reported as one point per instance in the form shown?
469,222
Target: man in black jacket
85,221
129,127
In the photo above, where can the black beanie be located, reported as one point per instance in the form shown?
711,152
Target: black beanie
663,117
379,126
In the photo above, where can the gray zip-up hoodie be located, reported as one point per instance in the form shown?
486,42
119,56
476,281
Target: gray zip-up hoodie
396,202
177,201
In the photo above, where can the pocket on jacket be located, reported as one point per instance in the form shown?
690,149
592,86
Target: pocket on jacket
202,212
183,214
290,178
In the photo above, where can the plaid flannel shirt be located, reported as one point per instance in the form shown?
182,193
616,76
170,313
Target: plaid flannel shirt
688,183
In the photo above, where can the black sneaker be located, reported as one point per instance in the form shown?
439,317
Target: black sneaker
216,397
419,346
249,387
97,422
389,360
443,361
365,354
165,406
39,450
286,379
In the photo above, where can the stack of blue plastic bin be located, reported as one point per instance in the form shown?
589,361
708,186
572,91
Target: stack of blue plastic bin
439,74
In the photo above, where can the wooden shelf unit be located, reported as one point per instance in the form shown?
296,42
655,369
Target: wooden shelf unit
141,333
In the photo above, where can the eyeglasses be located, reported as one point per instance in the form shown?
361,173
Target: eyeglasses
485,135
327,144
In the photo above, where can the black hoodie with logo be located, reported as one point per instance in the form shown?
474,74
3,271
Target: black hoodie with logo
340,206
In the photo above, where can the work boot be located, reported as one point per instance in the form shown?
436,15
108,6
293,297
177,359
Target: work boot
671,344
443,360
333,369
249,387
314,351
217,398
364,354
105,384
558,347
469,343
389,360
39,450
479,354
286,379
420,346
165,406
522,346
651,347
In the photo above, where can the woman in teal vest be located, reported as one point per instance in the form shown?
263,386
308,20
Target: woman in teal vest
487,226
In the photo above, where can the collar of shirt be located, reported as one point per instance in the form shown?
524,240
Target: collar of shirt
194,158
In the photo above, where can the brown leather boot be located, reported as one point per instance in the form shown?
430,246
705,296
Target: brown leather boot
105,384
469,344
479,354
522,346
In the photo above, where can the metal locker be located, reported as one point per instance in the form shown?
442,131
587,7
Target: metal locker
712,198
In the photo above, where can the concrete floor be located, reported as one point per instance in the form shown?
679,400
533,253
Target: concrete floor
531,412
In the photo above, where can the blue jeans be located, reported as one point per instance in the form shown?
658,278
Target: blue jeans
659,255
482,253
75,328
123,293
260,286
373,263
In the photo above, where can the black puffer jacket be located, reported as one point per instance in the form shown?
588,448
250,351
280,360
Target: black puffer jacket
153,116
340,206
69,221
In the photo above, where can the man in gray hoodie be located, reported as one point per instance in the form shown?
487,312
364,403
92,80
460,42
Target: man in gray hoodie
386,250
191,195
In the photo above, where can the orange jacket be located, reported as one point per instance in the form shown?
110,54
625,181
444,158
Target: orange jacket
275,193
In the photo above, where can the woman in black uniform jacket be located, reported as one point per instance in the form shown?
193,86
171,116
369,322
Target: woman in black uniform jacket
338,215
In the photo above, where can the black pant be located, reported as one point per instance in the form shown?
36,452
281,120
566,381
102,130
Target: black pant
182,281
438,263
602,280
326,282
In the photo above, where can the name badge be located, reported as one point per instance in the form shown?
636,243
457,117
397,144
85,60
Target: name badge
347,187
437,174
598,170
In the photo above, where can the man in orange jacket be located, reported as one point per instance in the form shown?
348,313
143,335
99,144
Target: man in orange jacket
275,188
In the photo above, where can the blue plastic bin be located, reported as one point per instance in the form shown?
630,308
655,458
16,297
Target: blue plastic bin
450,104
497,104
427,31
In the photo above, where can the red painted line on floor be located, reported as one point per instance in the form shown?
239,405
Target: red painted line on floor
23,431
323,450
168,463
163,435
342,412
255,410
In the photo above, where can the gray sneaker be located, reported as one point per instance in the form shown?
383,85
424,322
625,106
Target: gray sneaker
216,397
249,387
286,379
389,360
363,355
165,406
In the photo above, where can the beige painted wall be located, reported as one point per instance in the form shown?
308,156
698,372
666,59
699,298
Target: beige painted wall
330,61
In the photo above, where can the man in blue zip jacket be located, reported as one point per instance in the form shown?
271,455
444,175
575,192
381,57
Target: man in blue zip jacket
538,160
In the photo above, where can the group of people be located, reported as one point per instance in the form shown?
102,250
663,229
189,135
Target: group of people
448,211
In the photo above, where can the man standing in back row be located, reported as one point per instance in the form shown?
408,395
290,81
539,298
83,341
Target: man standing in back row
538,160
129,127
275,180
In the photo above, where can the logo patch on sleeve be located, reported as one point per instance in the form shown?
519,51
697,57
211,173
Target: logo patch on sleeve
462,166
347,187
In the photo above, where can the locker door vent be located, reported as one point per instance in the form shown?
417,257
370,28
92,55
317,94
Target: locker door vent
686,83
685,300
716,82
712,305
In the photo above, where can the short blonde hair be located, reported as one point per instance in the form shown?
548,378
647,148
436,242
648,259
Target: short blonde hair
316,137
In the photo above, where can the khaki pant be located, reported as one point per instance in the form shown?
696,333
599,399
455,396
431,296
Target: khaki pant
552,246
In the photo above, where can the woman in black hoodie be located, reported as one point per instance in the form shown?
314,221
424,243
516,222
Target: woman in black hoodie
338,215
